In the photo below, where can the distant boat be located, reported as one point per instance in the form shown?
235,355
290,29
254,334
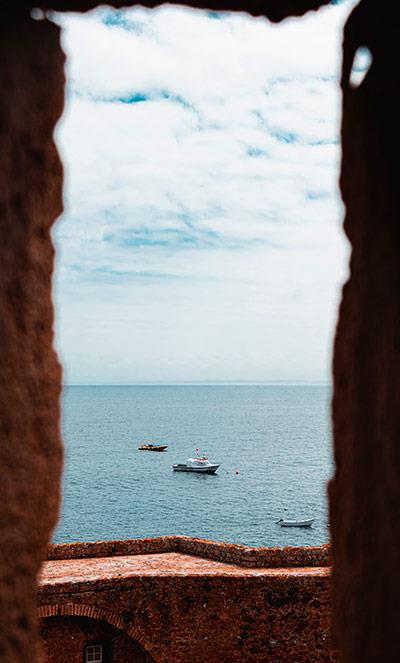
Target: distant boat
153,447
201,465
295,523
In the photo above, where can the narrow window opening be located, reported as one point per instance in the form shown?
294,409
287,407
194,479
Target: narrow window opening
200,260
94,654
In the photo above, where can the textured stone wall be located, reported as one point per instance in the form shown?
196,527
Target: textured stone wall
365,494
186,599
230,553
278,617
31,100
65,640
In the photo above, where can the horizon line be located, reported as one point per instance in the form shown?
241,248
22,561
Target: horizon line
221,383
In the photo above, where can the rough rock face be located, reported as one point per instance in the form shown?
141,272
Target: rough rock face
365,494
31,83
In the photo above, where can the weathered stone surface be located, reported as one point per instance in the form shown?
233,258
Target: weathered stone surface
365,493
65,640
58,574
230,553
183,608
31,83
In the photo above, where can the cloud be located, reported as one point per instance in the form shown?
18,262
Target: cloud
202,210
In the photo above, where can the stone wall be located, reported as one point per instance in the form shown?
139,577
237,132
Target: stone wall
64,640
230,553
31,102
365,492
198,609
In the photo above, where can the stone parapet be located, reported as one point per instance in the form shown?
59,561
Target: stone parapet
182,599
230,553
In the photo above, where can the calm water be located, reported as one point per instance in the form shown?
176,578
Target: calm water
277,437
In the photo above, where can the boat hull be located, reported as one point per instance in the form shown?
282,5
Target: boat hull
159,448
300,523
210,469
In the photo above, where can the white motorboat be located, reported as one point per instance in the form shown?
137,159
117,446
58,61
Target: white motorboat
200,464
295,523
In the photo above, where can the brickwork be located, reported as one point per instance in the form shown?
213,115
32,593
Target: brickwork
231,553
65,640
183,608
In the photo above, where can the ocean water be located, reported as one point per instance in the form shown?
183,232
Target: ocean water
273,443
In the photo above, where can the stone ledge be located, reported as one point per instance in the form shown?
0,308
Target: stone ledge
259,604
229,553
119,574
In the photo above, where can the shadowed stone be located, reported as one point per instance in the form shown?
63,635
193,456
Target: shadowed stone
31,101
365,493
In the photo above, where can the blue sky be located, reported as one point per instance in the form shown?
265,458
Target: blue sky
201,236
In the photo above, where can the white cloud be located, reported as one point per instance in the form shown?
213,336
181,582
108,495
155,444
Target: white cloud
201,235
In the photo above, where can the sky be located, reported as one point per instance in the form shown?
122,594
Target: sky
201,239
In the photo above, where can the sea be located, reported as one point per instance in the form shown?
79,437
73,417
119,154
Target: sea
273,443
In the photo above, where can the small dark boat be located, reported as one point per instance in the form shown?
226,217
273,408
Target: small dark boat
153,447
295,523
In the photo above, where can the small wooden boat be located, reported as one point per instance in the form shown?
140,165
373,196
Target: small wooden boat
153,447
295,523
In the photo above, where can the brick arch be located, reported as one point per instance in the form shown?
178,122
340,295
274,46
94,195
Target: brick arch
93,612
